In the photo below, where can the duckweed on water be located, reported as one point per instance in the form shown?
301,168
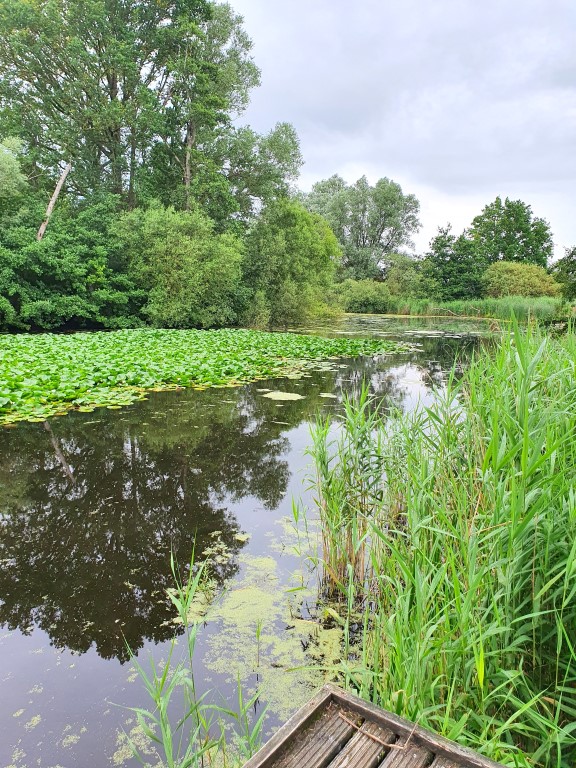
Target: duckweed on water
48,374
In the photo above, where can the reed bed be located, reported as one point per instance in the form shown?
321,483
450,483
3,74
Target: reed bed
454,533
503,308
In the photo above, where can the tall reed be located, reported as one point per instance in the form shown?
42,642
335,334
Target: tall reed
348,484
470,611
184,728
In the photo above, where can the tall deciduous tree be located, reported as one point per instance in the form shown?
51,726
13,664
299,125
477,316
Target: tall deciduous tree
99,83
508,231
85,80
454,267
369,221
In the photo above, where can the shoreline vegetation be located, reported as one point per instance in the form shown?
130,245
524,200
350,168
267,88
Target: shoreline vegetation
449,540
47,375
354,301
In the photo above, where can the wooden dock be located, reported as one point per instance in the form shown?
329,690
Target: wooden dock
338,730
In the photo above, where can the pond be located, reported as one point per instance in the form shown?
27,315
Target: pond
93,505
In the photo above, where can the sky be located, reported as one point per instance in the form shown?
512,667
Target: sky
456,100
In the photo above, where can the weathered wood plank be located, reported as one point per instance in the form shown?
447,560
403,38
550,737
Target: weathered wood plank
320,742
443,762
438,745
408,755
299,720
365,749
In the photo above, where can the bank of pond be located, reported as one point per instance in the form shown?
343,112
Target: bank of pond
391,508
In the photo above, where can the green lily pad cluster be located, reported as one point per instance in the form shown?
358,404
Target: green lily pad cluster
48,374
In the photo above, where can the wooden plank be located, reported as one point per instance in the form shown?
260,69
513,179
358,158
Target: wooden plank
438,745
443,762
365,749
320,742
300,719
407,755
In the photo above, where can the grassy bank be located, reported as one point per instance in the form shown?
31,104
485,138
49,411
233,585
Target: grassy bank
521,307
374,298
46,374
461,566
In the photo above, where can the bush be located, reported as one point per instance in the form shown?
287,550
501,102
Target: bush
190,275
291,259
509,278
66,280
365,296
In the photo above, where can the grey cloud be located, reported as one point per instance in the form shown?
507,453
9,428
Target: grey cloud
457,95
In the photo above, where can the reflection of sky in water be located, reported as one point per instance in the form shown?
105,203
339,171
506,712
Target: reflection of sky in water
85,564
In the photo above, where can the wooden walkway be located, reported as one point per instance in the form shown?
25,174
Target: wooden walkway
338,730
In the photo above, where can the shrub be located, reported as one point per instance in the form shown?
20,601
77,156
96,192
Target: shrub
291,258
509,278
364,296
189,274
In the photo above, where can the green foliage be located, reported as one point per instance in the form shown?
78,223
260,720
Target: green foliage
368,221
509,278
364,296
45,374
408,278
189,275
12,181
564,272
113,69
509,232
69,279
454,266
291,259
468,595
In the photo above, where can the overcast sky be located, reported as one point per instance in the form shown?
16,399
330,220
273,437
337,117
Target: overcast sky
457,100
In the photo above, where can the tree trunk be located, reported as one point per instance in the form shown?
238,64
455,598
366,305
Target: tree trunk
52,202
59,455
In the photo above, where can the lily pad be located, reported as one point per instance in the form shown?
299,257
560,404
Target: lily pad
329,394
277,395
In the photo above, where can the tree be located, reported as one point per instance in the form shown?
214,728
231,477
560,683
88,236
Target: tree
406,277
100,85
369,221
69,279
189,275
510,278
210,86
454,266
564,272
509,232
237,172
290,262
12,180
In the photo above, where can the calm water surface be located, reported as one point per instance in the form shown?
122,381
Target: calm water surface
92,506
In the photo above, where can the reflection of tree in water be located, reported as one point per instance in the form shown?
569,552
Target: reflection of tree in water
93,505
386,376
88,560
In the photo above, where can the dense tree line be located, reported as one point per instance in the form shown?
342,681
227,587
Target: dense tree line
505,251
129,195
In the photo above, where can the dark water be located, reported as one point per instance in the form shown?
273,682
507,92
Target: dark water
94,504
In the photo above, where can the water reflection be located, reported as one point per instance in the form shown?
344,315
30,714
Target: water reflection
93,509
92,505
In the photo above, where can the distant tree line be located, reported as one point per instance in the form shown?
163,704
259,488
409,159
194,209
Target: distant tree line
130,196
